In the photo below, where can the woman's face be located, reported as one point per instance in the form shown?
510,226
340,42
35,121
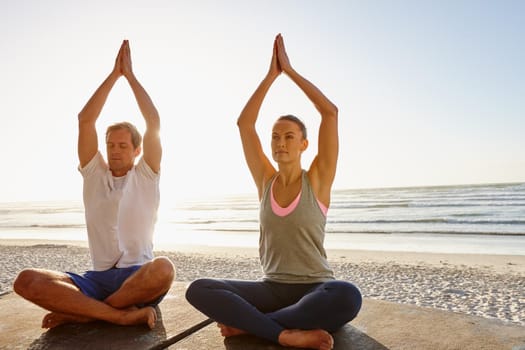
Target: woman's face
287,142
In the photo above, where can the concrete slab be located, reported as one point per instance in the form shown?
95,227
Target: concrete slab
401,326
20,327
348,338
380,326
383,325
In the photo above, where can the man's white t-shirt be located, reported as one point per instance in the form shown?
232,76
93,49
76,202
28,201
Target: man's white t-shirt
120,213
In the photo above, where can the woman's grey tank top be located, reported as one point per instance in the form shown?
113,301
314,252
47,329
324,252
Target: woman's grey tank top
291,247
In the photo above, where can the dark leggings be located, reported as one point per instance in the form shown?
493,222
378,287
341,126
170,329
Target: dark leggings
265,309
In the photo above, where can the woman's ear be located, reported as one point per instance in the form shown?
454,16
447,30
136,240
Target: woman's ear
304,145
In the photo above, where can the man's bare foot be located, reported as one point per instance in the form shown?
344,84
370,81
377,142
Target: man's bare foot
227,331
54,319
134,316
310,339
131,316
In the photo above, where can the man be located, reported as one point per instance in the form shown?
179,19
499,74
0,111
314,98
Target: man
121,201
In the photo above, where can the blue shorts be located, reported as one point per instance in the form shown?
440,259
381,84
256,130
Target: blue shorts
101,284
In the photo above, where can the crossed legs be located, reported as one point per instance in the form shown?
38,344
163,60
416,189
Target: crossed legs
300,315
56,292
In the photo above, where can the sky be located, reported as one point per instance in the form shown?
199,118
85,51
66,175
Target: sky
428,92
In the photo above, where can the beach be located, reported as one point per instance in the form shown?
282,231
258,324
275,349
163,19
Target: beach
490,286
455,248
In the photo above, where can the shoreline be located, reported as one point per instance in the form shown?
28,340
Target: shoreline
398,242
489,286
497,263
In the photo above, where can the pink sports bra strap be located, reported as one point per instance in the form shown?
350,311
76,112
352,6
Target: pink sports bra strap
280,211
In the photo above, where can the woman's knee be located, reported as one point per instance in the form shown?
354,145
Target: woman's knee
198,289
347,296
202,290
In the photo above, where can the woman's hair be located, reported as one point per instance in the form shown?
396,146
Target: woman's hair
136,137
297,121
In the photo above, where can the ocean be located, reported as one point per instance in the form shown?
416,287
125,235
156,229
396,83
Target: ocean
484,219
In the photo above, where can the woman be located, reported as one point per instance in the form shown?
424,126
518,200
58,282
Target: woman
298,302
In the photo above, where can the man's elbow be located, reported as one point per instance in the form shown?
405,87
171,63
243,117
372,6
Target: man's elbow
240,122
82,119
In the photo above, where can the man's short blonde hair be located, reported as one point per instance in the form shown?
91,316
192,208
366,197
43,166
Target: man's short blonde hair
136,137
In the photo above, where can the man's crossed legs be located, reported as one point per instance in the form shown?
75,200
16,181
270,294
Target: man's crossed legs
131,304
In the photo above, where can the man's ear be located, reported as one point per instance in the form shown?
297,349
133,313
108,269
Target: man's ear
137,151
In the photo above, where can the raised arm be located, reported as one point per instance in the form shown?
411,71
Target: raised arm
323,167
258,163
87,118
151,144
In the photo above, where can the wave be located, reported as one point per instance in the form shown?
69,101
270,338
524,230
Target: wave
211,222
427,232
42,226
217,207
232,230
387,232
430,221
387,205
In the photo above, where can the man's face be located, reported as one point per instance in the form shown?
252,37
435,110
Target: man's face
120,151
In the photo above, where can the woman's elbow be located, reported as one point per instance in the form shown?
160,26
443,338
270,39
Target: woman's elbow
330,111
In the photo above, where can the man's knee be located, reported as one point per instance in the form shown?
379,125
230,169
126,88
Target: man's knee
163,269
26,282
32,284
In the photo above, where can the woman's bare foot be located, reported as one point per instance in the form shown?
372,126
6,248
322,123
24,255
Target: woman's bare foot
227,331
310,339
54,319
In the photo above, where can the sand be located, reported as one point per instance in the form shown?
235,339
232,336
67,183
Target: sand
491,286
